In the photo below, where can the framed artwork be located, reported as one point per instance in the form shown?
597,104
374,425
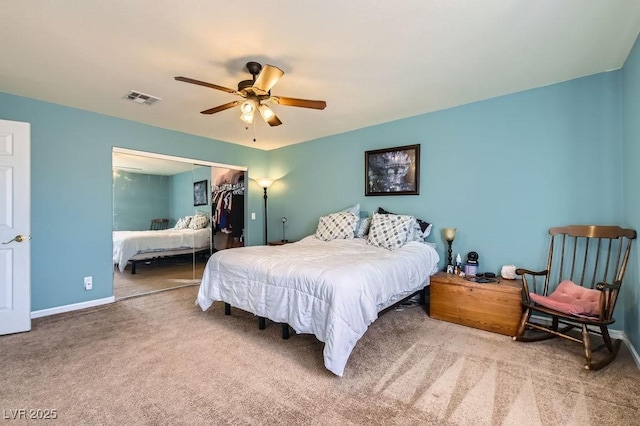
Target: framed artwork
200,193
392,171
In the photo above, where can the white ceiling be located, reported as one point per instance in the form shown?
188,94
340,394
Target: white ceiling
150,165
371,61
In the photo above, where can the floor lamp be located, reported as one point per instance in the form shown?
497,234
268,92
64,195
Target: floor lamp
265,183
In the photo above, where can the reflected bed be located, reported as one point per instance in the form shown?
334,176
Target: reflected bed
131,246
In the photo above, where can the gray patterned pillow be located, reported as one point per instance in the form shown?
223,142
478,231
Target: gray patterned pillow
416,233
390,231
336,226
183,223
363,227
198,222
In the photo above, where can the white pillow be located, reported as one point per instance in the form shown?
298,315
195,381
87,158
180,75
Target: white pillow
198,222
183,223
390,231
341,225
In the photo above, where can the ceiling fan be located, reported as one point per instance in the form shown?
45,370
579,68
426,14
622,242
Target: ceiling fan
256,93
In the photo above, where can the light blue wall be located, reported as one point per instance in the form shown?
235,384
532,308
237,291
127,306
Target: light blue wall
502,171
138,198
71,191
631,130
181,189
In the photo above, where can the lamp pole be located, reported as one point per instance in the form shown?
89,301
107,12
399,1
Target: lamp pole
284,219
265,183
265,215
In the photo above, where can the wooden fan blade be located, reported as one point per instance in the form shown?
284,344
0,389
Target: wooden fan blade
267,78
303,103
205,84
220,108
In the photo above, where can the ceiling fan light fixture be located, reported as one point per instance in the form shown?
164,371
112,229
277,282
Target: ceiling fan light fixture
266,112
269,116
254,92
249,106
247,117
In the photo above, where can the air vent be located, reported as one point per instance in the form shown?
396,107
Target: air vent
141,98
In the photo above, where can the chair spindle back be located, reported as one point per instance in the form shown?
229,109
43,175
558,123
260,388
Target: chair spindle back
588,255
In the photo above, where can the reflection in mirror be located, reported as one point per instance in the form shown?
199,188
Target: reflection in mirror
153,242
169,216
200,223
227,207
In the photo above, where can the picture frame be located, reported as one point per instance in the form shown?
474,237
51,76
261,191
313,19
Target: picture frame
392,171
200,193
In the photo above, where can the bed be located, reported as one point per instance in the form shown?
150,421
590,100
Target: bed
133,246
333,289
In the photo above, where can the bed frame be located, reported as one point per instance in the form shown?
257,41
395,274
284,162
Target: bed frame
286,329
168,253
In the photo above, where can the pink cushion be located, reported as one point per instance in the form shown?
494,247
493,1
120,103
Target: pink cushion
571,298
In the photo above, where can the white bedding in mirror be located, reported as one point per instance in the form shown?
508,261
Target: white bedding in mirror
127,244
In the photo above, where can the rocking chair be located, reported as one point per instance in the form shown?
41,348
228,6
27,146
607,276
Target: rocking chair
586,266
158,224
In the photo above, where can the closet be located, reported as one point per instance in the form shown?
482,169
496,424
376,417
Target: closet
227,209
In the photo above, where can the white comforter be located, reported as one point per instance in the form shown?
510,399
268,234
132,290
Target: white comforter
331,289
127,244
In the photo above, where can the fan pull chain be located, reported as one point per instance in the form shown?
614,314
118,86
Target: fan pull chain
254,130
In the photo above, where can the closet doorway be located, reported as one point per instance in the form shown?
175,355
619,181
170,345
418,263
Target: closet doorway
165,225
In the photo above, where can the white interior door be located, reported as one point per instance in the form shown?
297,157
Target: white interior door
15,227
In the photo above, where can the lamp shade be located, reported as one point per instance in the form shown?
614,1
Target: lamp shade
449,233
266,112
265,182
269,116
248,109
249,106
247,118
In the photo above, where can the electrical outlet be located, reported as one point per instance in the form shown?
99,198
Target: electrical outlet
88,283
253,216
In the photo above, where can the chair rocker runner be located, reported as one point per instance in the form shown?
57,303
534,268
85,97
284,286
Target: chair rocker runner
579,289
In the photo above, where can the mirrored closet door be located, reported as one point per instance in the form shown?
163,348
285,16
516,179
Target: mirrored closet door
165,225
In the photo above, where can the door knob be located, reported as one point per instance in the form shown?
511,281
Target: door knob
18,239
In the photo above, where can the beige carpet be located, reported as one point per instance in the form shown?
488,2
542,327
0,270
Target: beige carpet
158,359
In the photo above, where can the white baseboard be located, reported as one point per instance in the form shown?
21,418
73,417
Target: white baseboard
615,334
633,351
72,307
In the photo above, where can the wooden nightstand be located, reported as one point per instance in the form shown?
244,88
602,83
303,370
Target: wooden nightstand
493,307
279,243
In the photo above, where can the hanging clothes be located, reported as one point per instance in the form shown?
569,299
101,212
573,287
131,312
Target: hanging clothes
227,208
